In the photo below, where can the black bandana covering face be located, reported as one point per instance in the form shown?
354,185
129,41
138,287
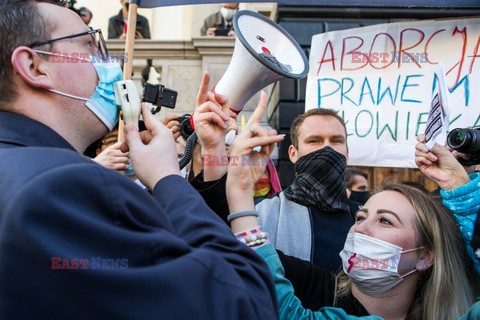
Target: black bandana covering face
320,181
359,196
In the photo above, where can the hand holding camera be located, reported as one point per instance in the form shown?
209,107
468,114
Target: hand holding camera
180,126
467,142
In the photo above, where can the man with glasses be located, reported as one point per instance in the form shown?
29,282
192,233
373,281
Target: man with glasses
78,240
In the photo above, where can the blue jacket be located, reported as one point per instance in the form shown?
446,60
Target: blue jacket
78,241
464,203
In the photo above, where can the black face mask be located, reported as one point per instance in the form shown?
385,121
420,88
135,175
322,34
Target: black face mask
320,181
359,196
127,5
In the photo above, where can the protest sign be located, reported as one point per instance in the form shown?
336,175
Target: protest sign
380,79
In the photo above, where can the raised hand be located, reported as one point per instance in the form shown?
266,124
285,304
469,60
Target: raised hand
246,165
440,165
211,118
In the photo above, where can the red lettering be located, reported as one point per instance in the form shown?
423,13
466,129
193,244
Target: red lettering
224,160
403,50
356,56
84,263
74,264
55,261
74,57
364,59
84,56
65,58
215,161
383,54
462,58
365,264
56,57
206,160
475,55
65,264
356,262
331,59
428,44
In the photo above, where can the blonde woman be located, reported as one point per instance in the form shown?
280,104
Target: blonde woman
403,257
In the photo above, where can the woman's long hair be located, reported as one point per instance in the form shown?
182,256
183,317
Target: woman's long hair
445,289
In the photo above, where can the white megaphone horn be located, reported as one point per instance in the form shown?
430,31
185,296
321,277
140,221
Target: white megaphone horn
264,53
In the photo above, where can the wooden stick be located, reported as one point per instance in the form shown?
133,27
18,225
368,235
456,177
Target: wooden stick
128,65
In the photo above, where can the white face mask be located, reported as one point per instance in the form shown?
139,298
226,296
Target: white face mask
227,13
372,264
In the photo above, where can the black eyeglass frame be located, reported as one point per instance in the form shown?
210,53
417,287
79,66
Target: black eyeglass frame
101,44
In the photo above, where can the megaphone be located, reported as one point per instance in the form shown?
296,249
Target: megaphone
264,53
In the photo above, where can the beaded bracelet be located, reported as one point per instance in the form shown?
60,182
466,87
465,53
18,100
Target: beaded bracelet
239,214
253,238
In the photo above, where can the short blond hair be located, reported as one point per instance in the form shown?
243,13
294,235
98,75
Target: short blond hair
298,121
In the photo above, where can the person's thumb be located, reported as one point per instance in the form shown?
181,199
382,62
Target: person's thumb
133,137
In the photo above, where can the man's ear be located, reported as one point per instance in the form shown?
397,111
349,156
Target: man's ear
31,68
425,261
293,154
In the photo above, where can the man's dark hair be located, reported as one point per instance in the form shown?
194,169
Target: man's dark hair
20,25
297,122
350,176
84,10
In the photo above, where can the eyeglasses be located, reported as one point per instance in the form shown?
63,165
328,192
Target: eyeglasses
96,35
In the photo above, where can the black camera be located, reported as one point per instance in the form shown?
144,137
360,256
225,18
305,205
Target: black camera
222,32
186,129
159,96
466,141
71,6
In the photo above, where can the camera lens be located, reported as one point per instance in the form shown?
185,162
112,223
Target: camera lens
465,140
185,128
457,138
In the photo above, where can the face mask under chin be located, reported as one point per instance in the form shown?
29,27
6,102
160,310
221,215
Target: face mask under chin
102,102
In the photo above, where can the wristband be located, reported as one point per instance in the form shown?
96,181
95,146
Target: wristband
239,214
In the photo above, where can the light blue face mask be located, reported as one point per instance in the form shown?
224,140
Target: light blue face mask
102,101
